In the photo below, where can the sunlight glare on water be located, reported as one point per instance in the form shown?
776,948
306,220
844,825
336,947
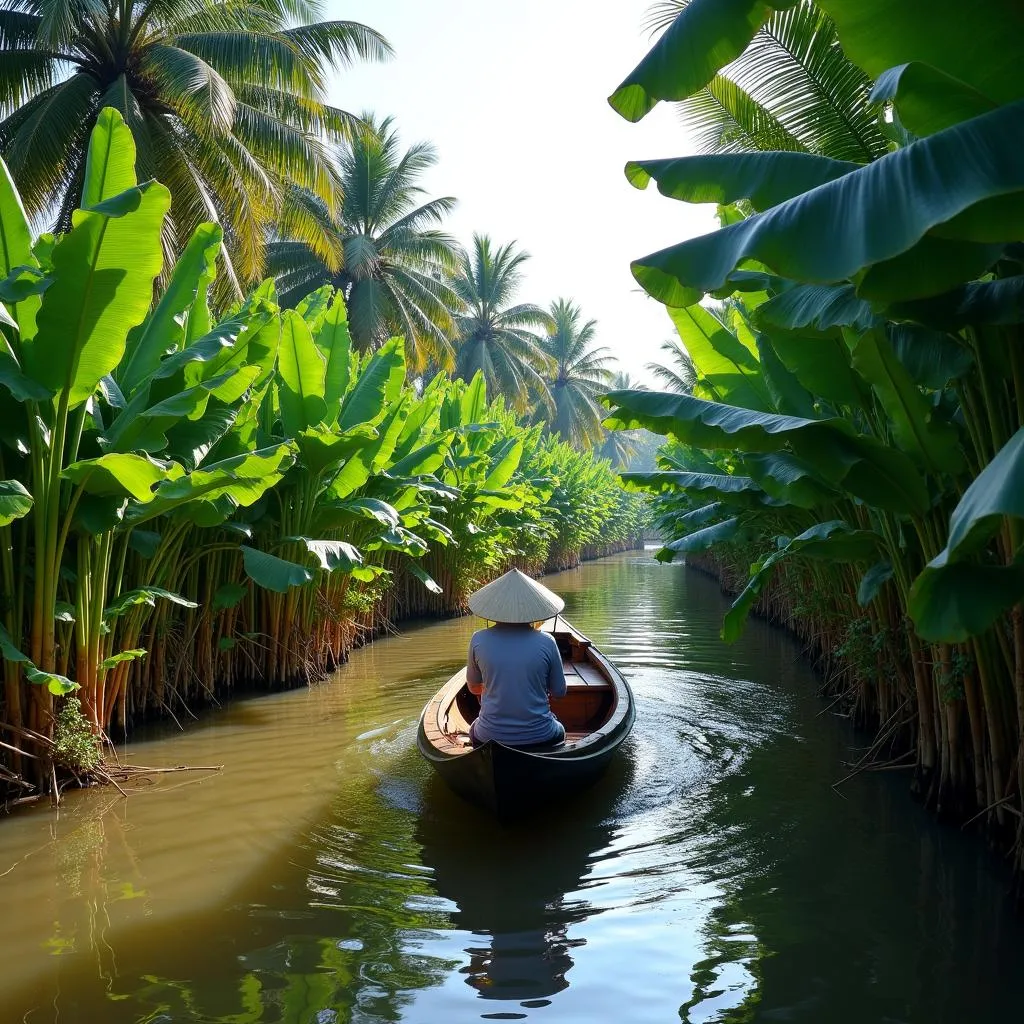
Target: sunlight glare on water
323,876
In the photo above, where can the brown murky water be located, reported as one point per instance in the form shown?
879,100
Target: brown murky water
323,877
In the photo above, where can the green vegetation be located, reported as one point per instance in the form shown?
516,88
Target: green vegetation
395,261
852,446
192,500
495,336
580,375
227,103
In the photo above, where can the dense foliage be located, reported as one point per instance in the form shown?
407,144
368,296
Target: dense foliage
856,426
227,103
191,501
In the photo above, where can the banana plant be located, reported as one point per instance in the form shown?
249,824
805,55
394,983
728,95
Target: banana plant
855,326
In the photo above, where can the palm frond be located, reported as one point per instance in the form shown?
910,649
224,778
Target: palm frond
255,58
190,85
40,140
681,374
339,42
725,118
796,68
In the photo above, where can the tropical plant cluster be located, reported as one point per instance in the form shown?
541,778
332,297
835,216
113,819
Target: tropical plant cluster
191,501
228,104
850,455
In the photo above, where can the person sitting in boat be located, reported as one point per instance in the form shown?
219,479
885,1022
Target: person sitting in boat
514,668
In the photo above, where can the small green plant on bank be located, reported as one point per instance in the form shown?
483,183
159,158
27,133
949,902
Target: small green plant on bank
74,744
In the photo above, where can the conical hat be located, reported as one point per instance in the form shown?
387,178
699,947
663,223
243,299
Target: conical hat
515,597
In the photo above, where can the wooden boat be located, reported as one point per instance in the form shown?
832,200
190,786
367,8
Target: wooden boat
597,712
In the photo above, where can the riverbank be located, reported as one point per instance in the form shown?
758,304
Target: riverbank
206,680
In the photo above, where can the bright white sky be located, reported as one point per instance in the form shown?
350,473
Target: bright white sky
513,94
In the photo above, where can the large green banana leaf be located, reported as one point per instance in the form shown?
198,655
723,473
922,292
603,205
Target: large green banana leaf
243,478
819,237
700,516
861,465
16,249
705,36
916,425
15,501
724,178
927,99
728,370
932,358
702,540
163,329
118,474
506,461
955,596
335,343
367,398
256,344
273,573
951,603
834,541
301,369
979,302
723,488
331,554
789,479
15,234
711,424
817,306
103,273
321,448
190,441
821,364
868,469
788,395
987,56
110,160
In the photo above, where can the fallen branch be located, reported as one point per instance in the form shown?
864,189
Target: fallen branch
18,750
992,807
138,769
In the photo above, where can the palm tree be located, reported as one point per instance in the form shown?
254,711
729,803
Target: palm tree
492,336
396,263
226,101
793,88
580,374
678,373
620,447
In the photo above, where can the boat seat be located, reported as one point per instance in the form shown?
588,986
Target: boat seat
583,675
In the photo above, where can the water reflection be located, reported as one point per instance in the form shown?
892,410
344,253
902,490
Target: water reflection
323,877
518,890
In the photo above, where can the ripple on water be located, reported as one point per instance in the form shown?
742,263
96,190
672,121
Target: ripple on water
712,876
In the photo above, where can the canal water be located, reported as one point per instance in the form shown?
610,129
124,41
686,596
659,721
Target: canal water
323,877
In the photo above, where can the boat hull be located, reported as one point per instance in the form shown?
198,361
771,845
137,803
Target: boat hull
511,782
